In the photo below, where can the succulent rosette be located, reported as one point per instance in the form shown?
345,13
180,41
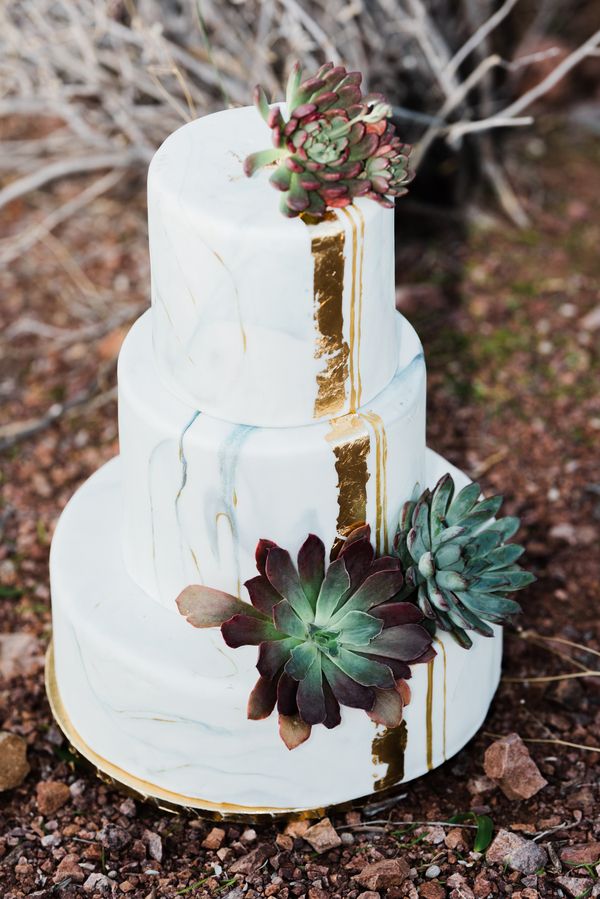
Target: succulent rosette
327,635
456,560
334,145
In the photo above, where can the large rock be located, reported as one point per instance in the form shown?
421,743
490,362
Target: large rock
508,763
253,860
586,854
154,844
214,838
516,852
51,795
575,886
69,868
114,838
431,891
14,766
389,872
323,836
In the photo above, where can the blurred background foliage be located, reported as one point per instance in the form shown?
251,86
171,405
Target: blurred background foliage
119,75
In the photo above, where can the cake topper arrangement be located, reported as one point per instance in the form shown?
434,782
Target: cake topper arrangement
335,144
347,634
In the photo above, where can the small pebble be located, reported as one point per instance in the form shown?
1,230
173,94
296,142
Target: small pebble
51,840
433,871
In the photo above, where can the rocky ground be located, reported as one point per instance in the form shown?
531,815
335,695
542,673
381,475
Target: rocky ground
511,322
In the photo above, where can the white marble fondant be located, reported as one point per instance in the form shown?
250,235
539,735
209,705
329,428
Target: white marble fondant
200,492
232,282
167,703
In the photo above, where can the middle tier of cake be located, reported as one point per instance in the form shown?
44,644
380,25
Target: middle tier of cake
200,492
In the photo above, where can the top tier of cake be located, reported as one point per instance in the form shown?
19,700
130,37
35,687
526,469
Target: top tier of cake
260,319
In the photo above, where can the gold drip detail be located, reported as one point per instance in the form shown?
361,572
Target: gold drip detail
429,715
236,294
351,444
389,748
356,294
361,243
328,290
445,661
353,397
381,453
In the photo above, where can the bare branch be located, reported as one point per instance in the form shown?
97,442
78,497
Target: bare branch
556,75
62,168
478,37
12,247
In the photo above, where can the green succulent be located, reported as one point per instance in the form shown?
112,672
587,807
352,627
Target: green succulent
456,561
327,636
336,144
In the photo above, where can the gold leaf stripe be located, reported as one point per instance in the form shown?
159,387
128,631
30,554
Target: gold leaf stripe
353,323
351,444
361,242
328,292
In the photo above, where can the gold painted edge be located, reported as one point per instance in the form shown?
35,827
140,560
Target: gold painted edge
172,802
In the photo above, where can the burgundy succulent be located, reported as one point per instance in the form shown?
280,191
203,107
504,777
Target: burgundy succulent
327,636
335,144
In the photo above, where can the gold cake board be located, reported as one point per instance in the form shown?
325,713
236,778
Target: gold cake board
166,800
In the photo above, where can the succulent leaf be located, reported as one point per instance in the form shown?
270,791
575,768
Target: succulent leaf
376,589
273,654
402,642
205,607
310,696
388,708
285,579
301,659
462,504
396,613
359,628
363,670
335,584
262,699
245,630
311,567
293,730
256,161
263,595
288,622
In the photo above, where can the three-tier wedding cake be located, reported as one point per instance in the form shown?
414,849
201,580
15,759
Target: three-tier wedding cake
272,435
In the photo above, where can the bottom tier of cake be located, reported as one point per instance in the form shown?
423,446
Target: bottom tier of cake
129,688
